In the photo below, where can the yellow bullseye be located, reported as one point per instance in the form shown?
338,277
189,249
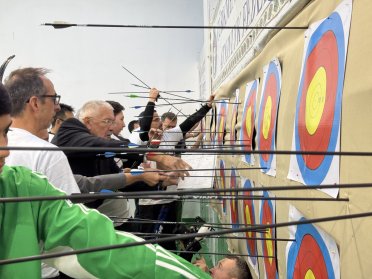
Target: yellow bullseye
248,121
315,100
309,274
248,219
269,245
267,118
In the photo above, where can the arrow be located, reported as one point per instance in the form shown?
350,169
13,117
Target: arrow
132,145
62,24
179,99
166,92
183,192
220,254
204,151
146,92
148,87
111,154
136,171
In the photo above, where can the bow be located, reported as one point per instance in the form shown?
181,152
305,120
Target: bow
3,66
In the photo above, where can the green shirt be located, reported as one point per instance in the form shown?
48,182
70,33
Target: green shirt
63,226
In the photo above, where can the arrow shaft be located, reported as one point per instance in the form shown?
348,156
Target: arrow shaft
65,25
203,151
179,193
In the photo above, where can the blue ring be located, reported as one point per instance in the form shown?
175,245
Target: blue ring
248,185
266,195
253,88
334,24
302,230
223,104
270,204
234,225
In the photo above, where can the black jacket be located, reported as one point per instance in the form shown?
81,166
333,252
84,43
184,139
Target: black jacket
73,133
185,126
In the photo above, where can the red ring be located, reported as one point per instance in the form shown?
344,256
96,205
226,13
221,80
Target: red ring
324,54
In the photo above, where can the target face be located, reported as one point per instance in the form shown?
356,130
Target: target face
221,122
248,120
222,184
234,201
267,216
318,108
249,220
268,114
234,118
309,256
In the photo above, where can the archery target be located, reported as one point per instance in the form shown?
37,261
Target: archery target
313,254
250,220
318,107
248,120
221,121
234,118
234,200
267,115
267,217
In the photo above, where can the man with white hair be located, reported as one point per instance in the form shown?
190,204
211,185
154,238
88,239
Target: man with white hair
92,129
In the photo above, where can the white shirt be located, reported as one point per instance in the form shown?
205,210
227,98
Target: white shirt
169,137
169,140
53,164
51,136
135,137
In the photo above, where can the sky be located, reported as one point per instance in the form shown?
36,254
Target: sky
86,63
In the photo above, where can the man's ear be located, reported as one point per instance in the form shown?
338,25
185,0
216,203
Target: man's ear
86,122
33,103
59,121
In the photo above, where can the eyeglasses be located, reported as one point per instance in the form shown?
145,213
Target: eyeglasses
56,98
108,122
